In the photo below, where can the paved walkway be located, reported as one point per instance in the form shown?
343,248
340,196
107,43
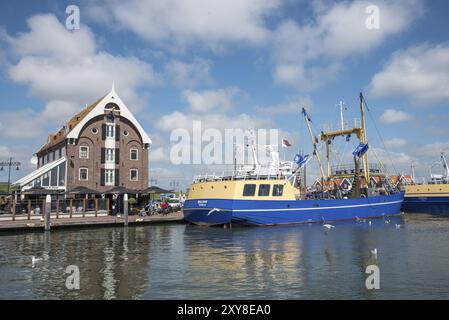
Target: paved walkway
22,223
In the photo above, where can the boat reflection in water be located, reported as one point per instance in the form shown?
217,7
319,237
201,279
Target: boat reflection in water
191,262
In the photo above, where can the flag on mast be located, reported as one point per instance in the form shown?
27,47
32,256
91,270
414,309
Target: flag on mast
286,143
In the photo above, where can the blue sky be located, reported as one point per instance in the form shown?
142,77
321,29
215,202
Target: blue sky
244,63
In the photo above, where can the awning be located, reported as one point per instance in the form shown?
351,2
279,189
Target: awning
37,173
122,190
155,190
82,190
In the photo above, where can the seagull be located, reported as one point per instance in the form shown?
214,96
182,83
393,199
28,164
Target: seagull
398,226
369,222
34,260
374,253
327,227
387,221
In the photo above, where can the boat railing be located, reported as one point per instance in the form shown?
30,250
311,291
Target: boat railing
349,169
238,175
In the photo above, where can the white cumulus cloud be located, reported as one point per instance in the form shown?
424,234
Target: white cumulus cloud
419,73
394,116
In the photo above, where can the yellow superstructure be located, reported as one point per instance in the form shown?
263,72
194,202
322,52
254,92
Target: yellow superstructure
233,189
427,190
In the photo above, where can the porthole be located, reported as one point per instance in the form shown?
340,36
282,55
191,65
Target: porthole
94,130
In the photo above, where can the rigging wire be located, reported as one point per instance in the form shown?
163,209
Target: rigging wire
380,136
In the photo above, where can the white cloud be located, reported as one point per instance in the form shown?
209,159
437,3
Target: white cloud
68,71
218,121
159,155
395,143
211,100
420,73
394,116
67,66
189,75
180,23
289,108
335,32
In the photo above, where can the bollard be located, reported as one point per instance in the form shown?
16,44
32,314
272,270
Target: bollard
96,207
125,208
29,210
13,210
47,212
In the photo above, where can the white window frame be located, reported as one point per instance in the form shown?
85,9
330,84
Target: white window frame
87,174
107,175
81,153
110,131
137,175
137,154
112,153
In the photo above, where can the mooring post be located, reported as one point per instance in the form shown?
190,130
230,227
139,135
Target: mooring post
125,208
47,212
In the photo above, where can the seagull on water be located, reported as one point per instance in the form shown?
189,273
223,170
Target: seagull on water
327,227
34,260
398,226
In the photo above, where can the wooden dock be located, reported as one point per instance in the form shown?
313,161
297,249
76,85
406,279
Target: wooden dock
37,224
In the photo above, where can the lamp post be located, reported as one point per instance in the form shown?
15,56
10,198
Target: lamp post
9,164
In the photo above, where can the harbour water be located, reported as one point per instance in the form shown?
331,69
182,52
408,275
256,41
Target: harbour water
178,261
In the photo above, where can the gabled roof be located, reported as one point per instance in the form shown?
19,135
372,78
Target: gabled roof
98,109
58,137
77,122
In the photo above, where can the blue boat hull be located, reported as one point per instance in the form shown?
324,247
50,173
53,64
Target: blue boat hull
267,212
432,205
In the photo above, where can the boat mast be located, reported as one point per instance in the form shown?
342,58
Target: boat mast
314,142
446,168
364,140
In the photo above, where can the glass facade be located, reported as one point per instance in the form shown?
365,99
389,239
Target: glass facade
54,178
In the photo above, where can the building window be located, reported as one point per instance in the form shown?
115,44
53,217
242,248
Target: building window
94,130
109,177
125,133
110,155
84,152
110,131
134,175
134,154
84,174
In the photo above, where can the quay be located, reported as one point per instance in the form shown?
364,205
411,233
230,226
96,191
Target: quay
36,223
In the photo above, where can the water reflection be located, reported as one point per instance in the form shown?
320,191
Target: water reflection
190,262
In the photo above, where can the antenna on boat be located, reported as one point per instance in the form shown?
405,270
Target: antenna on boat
314,141
342,122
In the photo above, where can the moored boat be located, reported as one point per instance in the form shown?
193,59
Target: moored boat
272,196
431,197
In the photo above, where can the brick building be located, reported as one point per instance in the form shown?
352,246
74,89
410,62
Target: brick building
100,148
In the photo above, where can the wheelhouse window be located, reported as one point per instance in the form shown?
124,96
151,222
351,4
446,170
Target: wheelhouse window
134,175
278,190
264,190
249,190
84,174
84,152
134,154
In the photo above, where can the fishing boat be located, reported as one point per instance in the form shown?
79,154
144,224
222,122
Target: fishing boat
431,197
274,195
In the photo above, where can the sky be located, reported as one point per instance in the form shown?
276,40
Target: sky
230,64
